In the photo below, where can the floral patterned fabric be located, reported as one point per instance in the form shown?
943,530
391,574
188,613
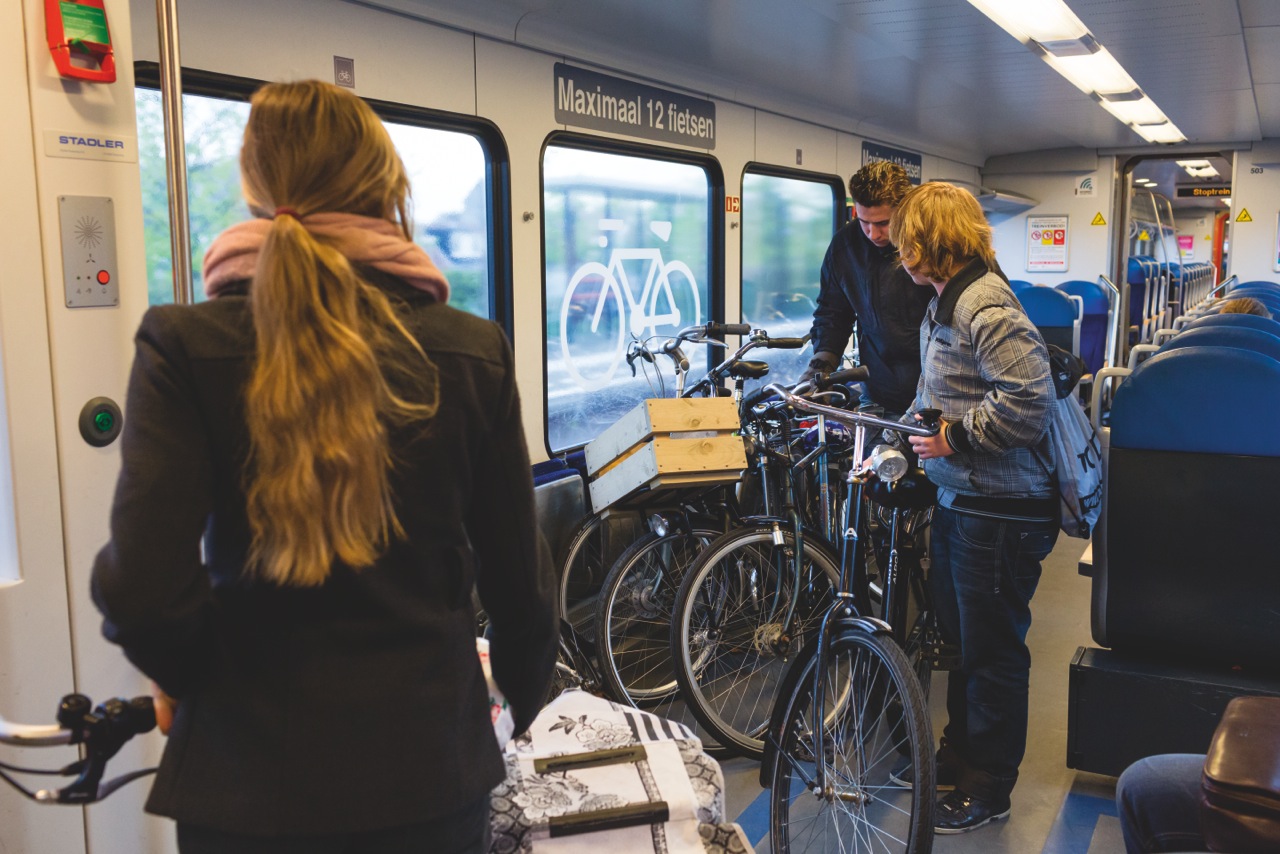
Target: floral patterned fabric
675,770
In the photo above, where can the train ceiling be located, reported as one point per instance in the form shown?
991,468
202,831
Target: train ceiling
931,74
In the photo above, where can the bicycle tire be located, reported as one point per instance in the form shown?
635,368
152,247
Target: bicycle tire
861,808
582,571
633,619
731,649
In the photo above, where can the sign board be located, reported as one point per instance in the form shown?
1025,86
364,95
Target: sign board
1186,247
908,160
1204,191
1084,187
1047,244
598,101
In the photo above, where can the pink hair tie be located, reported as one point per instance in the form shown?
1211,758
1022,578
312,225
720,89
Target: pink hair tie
287,212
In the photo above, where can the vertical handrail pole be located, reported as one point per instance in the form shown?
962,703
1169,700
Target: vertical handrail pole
1114,317
175,150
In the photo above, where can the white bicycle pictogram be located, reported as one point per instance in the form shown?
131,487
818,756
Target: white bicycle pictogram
600,308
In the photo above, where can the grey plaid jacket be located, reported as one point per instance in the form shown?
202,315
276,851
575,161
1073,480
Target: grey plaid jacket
986,367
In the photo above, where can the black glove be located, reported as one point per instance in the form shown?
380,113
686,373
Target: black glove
821,363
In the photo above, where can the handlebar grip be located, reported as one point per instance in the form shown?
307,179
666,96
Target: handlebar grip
930,418
848,375
786,343
719,330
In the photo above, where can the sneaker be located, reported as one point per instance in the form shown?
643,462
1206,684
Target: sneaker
945,777
959,813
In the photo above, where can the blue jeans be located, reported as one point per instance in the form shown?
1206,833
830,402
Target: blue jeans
984,573
1158,799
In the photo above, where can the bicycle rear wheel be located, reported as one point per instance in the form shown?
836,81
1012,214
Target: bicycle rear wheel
873,714
633,620
731,639
595,545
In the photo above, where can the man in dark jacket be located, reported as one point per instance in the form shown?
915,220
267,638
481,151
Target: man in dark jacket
862,282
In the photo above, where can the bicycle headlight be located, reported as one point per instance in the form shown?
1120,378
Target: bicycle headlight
888,463
659,525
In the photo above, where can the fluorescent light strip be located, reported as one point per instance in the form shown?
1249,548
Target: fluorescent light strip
1065,43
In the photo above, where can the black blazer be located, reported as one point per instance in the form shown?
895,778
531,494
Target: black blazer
359,704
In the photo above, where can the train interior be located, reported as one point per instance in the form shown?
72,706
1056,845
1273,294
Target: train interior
666,164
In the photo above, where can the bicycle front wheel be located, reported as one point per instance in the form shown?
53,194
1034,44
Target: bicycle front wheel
742,614
835,793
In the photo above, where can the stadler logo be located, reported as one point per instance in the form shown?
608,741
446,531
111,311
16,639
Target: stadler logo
90,141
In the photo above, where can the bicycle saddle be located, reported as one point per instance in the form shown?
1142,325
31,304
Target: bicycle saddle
749,369
914,491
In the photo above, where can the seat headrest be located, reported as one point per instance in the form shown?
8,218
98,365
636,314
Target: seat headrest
1212,400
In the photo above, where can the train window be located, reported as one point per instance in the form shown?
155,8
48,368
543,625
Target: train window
627,249
213,127
448,174
787,223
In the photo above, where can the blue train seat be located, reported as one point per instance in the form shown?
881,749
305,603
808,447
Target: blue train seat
1019,284
1093,326
1241,321
1241,338
1136,276
1256,283
1054,314
1193,480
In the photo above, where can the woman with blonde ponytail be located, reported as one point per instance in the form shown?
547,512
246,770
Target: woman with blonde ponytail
318,464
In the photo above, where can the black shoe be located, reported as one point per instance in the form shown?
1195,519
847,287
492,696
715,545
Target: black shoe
944,777
958,812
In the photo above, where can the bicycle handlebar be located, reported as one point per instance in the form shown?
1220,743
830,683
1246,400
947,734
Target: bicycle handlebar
853,419
102,730
819,382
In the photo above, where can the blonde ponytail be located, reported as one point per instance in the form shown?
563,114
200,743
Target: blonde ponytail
335,369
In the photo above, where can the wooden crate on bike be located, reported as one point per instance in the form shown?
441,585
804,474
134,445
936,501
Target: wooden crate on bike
666,443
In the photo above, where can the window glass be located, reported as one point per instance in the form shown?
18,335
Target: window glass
787,224
447,175
627,254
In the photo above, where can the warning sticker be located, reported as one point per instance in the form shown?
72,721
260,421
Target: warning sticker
1244,216
1098,220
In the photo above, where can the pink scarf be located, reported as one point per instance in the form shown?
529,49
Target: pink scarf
368,241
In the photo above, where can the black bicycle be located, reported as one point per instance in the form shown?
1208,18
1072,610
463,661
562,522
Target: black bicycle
849,750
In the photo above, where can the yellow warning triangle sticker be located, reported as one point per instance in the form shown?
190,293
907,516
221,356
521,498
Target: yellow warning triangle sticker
1098,220
1244,216
1144,235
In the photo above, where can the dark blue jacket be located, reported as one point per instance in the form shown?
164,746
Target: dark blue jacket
866,284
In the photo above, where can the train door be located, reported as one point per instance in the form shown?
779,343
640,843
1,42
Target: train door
73,292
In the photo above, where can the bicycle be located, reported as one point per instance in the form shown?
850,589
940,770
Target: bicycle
635,603
102,731
617,311
851,707
758,590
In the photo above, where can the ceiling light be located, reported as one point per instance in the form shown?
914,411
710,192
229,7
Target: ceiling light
1226,200
1206,172
1193,164
1045,22
1095,72
1051,29
1140,112
1164,132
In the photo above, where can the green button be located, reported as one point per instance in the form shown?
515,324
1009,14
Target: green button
104,421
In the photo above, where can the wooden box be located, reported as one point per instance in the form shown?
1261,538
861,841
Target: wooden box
665,443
